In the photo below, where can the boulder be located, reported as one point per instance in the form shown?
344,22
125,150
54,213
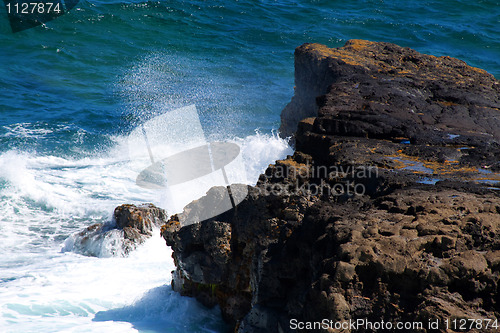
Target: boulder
130,227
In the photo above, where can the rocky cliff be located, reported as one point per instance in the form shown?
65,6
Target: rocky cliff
389,210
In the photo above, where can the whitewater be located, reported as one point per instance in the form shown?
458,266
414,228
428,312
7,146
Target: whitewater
48,286
73,91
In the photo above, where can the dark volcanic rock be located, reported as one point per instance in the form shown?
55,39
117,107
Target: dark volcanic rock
142,218
411,255
388,210
381,90
132,225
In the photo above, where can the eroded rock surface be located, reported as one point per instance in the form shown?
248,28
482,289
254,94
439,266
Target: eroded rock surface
381,90
132,225
388,210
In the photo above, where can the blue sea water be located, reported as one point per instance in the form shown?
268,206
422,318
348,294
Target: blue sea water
72,90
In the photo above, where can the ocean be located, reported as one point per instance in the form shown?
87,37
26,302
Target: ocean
74,89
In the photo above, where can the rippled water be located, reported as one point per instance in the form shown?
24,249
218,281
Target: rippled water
72,90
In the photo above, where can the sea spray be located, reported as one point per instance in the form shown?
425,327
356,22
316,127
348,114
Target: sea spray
47,199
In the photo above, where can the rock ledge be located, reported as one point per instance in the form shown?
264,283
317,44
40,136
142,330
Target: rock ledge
388,210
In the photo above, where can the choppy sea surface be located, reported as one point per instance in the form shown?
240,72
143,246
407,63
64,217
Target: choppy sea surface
72,91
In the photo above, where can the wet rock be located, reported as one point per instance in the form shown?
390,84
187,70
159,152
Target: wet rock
132,225
388,210
142,219
381,90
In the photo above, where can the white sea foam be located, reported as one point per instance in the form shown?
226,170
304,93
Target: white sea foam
29,130
50,282
71,293
46,199
259,150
